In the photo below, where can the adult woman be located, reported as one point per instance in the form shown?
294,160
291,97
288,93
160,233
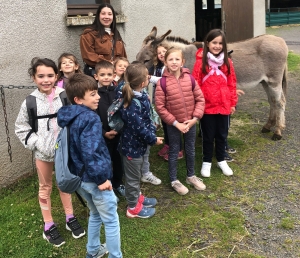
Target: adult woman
101,40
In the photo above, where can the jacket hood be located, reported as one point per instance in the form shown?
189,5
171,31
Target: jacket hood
66,114
42,96
183,71
199,54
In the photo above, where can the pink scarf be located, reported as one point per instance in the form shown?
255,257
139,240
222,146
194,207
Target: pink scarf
215,62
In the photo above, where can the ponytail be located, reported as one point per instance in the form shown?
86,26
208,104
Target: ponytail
127,94
135,75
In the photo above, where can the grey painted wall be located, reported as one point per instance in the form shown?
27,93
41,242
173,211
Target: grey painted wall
259,18
37,28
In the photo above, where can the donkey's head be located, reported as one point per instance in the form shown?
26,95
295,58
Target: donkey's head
146,53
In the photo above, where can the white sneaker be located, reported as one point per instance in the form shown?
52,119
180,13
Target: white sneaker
205,170
150,178
227,171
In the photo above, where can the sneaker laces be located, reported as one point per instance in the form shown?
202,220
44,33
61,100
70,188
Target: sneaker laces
177,184
195,179
73,224
54,233
121,187
151,178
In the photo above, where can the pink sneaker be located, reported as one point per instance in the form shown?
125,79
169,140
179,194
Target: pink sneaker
163,151
180,155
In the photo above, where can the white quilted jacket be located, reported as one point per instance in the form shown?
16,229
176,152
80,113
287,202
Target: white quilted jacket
42,142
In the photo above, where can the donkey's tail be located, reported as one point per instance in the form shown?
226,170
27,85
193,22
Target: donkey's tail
284,80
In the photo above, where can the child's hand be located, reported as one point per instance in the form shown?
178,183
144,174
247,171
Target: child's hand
239,92
182,127
111,134
159,140
232,110
105,186
190,123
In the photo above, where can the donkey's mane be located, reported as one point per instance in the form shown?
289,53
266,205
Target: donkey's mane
178,39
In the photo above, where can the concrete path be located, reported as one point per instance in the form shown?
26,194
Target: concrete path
290,33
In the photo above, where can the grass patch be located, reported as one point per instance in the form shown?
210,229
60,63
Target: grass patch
287,223
293,62
209,223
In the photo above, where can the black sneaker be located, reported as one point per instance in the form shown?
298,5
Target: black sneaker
230,149
74,226
53,237
228,158
120,190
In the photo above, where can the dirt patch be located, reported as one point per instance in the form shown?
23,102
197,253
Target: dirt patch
273,224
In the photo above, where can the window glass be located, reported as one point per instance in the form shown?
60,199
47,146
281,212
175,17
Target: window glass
85,2
218,4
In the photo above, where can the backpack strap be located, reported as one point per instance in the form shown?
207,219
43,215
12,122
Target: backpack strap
64,98
137,102
164,86
193,82
32,113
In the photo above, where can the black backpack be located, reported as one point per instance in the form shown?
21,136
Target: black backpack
32,112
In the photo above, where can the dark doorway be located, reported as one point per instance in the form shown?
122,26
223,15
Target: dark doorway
284,4
208,16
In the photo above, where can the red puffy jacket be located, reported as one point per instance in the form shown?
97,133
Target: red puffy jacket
180,102
220,95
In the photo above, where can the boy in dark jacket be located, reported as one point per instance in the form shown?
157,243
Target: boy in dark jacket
88,151
106,90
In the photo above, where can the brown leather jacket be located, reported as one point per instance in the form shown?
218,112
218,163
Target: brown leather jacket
94,49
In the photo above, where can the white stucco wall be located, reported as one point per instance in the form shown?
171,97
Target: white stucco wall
179,16
37,28
259,17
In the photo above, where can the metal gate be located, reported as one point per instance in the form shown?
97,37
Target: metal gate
282,16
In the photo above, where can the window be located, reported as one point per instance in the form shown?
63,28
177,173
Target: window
83,7
216,3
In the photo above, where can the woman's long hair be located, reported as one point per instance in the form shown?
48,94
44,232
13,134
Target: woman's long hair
97,25
210,37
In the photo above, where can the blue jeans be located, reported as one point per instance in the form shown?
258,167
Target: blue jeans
103,209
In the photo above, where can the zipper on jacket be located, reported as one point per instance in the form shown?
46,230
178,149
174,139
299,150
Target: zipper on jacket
178,82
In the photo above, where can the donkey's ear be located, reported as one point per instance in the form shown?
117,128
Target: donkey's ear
151,36
161,38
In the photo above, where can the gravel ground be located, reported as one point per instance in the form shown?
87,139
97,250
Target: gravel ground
275,229
280,201
291,34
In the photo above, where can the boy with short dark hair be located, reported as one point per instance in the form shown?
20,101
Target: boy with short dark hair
88,152
106,90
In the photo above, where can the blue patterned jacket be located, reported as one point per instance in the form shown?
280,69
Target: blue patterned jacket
87,146
138,130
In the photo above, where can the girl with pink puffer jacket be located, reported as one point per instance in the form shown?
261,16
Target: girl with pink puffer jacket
180,103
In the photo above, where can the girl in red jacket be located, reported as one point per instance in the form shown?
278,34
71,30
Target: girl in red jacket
215,74
180,103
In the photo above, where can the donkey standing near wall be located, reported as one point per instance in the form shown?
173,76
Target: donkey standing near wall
262,59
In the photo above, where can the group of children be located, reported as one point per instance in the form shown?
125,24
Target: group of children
105,155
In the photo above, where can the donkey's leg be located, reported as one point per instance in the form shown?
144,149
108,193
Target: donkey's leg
280,117
277,102
271,119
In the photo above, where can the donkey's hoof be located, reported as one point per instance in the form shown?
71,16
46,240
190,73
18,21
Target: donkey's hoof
265,130
276,137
